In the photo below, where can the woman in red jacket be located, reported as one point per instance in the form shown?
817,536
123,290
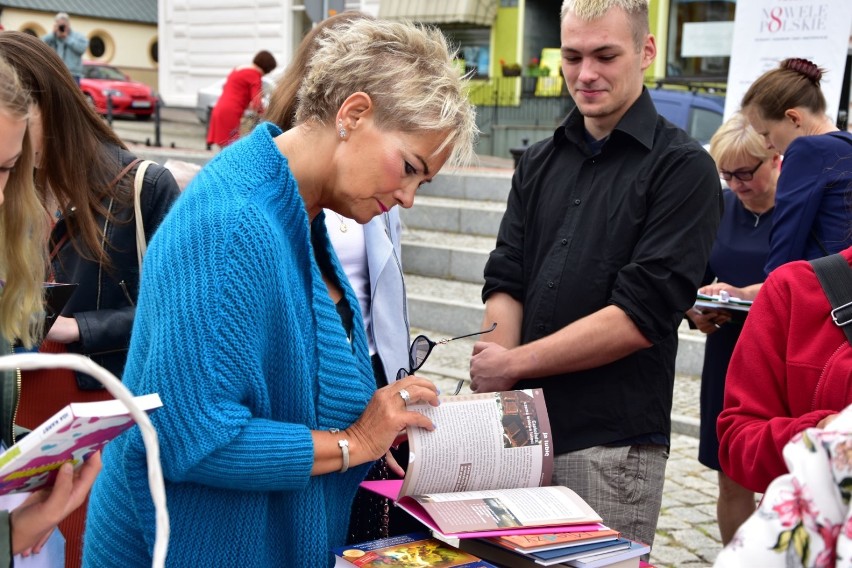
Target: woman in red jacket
243,89
791,370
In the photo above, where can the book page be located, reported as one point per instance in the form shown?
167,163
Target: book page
489,510
481,441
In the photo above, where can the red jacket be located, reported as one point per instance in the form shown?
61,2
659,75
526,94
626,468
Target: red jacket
791,368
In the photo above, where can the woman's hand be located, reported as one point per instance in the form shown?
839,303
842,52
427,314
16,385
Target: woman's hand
64,330
34,519
747,293
708,320
387,415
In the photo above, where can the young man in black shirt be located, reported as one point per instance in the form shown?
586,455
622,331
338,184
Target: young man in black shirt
606,236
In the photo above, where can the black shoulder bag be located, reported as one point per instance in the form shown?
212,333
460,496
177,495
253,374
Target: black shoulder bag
835,276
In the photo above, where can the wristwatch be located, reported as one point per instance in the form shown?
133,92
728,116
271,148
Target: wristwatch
343,444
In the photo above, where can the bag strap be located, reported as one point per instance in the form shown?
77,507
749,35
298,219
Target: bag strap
124,172
835,276
141,242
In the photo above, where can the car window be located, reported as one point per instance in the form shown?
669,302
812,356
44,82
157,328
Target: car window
103,72
672,110
703,124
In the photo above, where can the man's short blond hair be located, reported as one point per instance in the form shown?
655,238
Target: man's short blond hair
588,10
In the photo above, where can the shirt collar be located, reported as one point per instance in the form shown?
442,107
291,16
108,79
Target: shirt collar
639,122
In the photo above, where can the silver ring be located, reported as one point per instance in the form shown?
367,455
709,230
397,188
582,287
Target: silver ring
405,396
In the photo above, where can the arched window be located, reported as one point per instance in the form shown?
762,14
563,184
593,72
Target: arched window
154,51
101,46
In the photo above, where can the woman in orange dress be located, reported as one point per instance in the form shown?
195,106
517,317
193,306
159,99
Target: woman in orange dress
242,90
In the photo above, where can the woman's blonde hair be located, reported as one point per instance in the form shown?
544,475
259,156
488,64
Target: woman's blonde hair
736,140
407,70
23,230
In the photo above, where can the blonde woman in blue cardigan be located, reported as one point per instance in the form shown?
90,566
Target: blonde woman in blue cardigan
248,329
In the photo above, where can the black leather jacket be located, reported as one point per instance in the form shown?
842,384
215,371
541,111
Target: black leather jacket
104,302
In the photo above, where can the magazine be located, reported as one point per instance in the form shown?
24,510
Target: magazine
486,470
409,550
71,435
722,302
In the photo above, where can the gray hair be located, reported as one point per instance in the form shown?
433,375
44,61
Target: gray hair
407,70
588,10
62,16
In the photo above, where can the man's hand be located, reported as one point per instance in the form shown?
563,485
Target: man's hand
489,368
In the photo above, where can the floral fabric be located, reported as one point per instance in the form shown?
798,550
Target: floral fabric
804,518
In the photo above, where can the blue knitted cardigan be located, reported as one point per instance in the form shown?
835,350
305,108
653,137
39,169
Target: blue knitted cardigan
237,333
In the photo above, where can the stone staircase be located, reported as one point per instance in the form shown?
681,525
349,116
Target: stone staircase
446,240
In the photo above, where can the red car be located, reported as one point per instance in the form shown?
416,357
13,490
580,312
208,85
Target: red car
128,97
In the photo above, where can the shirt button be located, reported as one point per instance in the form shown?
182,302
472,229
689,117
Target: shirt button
564,242
550,284
540,327
576,202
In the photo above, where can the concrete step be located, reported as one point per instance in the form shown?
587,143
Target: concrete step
445,255
480,185
455,308
454,215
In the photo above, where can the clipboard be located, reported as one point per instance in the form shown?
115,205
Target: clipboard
55,297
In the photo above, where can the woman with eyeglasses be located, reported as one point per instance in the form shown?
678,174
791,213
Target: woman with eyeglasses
736,267
812,217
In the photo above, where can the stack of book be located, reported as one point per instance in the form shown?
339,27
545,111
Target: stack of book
483,476
586,549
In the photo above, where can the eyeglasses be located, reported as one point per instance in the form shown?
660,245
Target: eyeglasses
742,175
422,346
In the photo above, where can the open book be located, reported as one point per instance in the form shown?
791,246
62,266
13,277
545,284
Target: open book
71,435
485,470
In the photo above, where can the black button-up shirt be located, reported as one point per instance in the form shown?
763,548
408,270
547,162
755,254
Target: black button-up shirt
631,225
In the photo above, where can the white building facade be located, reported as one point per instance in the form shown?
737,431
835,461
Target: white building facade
202,40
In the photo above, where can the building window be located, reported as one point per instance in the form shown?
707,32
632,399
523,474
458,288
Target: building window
154,51
699,42
474,47
101,46
33,29
97,47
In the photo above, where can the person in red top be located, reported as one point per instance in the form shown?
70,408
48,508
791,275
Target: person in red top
791,370
242,90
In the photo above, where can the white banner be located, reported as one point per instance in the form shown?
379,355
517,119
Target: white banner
769,31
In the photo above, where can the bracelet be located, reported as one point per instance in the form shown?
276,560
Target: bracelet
343,444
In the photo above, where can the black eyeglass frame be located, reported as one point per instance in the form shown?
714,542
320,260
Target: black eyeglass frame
742,175
421,347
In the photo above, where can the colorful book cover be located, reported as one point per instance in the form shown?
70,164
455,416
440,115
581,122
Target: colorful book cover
413,550
71,435
536,542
